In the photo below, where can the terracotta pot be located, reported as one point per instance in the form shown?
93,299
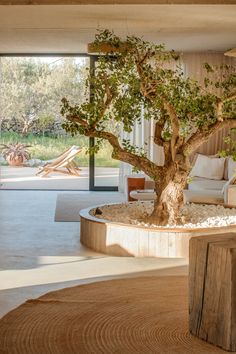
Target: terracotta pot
17,161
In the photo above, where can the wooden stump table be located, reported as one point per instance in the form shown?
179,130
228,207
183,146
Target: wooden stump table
134,183
212,289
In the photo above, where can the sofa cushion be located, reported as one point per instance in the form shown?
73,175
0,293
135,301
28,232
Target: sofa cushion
199,184
231,168
208,167
213,196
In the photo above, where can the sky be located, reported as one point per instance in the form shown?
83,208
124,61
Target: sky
49,60
55,59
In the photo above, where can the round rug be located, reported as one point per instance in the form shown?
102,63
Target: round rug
137,315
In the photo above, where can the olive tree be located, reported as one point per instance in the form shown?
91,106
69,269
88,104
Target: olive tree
132,76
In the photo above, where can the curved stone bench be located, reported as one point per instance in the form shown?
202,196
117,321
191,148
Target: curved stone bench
130,240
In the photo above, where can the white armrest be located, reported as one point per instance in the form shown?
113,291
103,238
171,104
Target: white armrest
230,194
229,191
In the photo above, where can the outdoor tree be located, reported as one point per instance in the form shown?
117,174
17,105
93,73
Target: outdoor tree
19,101
31,91
134,75
66,75
45,120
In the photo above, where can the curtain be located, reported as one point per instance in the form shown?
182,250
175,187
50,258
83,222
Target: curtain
141,136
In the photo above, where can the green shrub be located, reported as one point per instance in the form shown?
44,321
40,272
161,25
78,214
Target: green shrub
47,148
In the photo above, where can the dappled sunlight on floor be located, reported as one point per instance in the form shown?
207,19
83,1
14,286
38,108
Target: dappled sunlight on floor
85,268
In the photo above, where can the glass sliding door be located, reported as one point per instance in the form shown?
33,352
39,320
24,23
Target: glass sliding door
32,86
104,171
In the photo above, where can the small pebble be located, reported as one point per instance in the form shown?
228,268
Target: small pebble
191,215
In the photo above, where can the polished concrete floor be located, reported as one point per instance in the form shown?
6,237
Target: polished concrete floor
38,255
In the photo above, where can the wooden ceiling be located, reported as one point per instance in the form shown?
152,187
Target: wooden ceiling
68,29
115,2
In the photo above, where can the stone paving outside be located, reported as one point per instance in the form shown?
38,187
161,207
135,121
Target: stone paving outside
25,178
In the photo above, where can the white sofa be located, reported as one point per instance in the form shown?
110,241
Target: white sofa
218,189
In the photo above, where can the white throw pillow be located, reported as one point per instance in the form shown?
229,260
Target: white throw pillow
231,168
208,167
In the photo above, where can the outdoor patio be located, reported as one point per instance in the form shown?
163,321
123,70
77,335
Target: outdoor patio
25,178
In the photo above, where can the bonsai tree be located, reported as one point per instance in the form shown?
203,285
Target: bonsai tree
133,76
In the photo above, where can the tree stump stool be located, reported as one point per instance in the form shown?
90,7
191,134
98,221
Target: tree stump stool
212,289
134,183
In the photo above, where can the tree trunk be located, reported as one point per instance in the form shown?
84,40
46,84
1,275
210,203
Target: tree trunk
169,199
25,130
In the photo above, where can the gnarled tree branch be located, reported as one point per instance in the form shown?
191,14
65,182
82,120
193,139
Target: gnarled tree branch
119,153
159,126
220,106
174,126
230,98
77,119
202,135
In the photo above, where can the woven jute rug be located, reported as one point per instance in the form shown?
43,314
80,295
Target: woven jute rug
138,315
69,205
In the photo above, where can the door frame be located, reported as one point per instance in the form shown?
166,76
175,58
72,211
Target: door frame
92,186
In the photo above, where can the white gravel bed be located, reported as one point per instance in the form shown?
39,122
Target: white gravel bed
192,215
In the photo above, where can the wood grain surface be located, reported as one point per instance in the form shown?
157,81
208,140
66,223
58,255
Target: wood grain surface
212,289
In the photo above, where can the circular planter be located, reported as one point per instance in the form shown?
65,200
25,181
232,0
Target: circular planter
130,240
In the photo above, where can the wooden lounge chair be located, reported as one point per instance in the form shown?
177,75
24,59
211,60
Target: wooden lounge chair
62,164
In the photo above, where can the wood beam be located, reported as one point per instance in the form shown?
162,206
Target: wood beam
106,48
117,2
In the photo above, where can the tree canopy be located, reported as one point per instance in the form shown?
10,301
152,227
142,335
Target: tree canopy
134,75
